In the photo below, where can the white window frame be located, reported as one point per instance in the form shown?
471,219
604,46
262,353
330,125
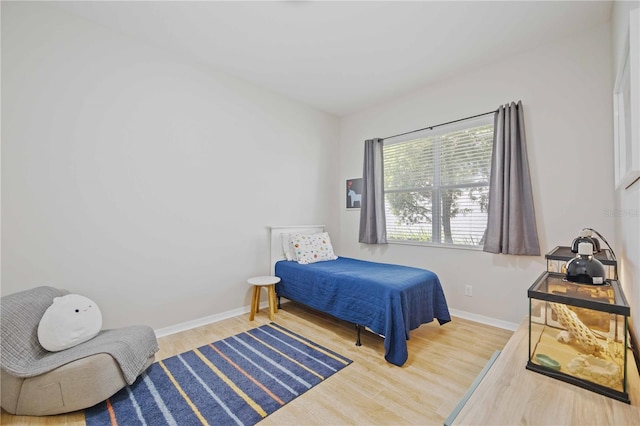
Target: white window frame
436,239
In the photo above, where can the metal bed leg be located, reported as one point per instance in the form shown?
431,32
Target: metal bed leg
358,328
279,305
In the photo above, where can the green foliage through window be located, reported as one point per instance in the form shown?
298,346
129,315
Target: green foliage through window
437,183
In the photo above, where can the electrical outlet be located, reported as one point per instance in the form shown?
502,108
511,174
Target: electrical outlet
468,290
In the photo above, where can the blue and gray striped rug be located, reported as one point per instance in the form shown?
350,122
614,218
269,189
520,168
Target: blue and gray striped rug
239,380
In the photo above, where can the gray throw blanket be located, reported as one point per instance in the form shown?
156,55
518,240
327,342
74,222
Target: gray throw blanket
22,355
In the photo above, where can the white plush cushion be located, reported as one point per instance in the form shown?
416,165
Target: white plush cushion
312,248
69,321
292,249
285,240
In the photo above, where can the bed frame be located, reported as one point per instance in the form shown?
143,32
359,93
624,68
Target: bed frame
277,254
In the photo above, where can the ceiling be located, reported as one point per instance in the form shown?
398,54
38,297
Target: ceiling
342,57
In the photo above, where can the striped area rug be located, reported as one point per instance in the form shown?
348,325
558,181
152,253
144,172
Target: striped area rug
239,380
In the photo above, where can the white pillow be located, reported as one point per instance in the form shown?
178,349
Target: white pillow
312,248
292,249
286,246
69,321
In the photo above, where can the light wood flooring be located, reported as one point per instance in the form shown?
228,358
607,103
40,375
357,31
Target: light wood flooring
521,397
443,362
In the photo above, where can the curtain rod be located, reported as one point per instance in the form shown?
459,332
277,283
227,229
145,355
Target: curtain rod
438,125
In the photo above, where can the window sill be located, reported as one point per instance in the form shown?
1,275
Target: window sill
448,246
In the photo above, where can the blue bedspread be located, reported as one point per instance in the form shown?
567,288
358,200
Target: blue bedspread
389,299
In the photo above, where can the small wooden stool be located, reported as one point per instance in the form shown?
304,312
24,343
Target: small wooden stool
270,283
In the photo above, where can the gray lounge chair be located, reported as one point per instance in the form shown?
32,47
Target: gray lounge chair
36,382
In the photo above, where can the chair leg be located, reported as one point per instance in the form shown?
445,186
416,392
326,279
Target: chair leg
275,299
255,302
258,294
272,302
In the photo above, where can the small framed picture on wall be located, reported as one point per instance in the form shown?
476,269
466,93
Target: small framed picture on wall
354,193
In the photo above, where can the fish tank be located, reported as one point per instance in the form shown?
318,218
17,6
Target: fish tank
578,333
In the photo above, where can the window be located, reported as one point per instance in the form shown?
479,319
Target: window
436,183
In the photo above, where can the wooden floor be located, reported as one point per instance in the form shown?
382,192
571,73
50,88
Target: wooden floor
443,362
511,395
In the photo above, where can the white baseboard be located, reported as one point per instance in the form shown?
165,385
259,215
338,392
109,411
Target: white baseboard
188,325
484,320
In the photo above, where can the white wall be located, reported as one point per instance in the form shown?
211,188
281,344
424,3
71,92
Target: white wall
143,181
565,88
627,200
146,182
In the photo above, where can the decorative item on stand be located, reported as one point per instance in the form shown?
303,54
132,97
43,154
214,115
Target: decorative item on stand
558,258
578,318
600,251
586,236
585,268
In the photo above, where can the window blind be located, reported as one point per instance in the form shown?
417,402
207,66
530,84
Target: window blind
437,183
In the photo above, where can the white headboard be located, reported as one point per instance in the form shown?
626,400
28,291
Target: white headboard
276,239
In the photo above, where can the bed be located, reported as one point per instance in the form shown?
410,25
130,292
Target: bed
390,300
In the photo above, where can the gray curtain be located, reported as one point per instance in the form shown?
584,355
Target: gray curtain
373,227
511,226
